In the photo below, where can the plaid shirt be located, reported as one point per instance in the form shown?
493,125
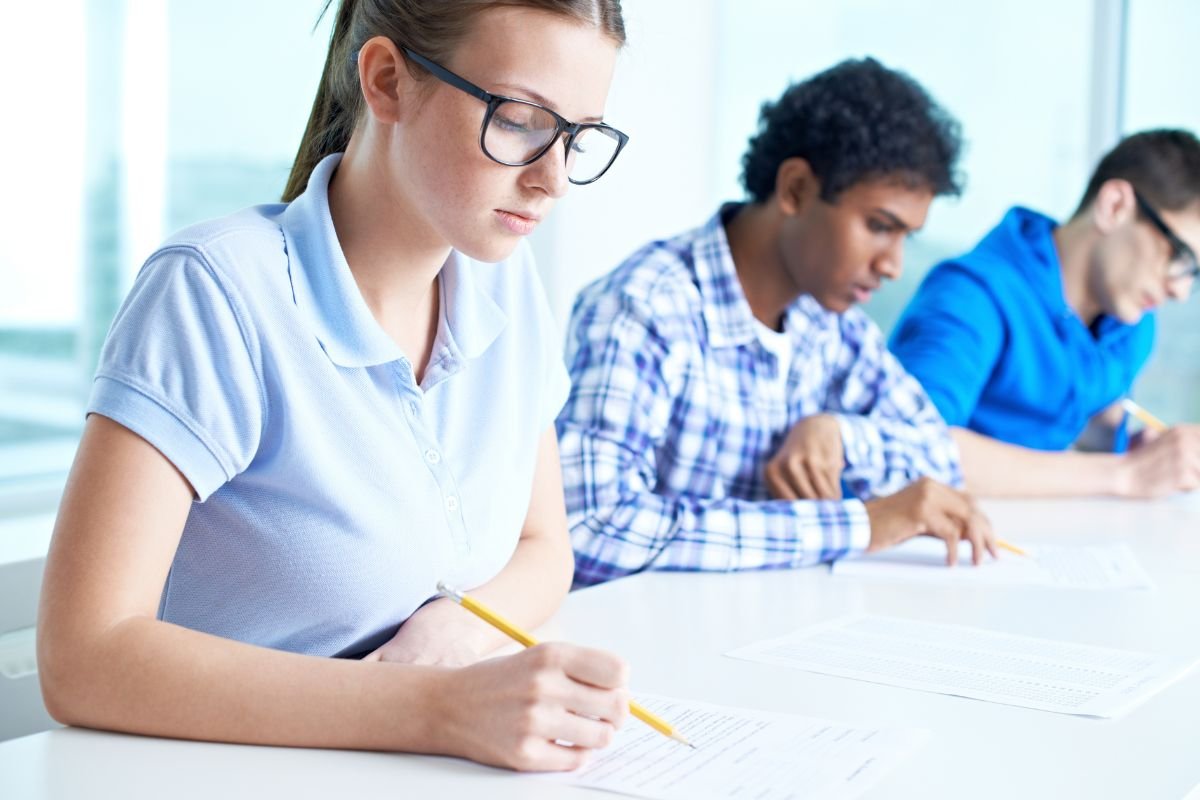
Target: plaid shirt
676,406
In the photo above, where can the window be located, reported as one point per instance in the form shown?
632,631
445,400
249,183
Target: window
148,117
154,115
1158,94
1020,88
1041,89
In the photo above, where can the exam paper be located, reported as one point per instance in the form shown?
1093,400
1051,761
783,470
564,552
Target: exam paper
922,559
743,754
973,662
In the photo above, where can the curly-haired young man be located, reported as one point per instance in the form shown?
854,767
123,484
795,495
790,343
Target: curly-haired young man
730,408
1027,343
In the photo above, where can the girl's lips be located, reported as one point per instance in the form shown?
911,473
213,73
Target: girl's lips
517,223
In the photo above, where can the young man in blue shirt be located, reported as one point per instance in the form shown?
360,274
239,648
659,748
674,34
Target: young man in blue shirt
725,389
1028,343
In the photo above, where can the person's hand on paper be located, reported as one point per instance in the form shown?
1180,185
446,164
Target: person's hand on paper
1160,464
933,509
519,711
809,463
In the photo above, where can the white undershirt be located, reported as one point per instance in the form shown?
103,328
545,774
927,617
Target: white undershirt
779,344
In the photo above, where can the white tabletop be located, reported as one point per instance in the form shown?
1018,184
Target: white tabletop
673,629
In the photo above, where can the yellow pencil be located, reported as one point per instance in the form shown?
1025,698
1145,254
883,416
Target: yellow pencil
1148,419
1012,548
501,624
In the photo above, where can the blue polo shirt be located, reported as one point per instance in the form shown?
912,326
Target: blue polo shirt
992,339
332,491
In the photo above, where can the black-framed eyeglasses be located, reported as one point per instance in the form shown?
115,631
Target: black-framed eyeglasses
517,132
1183,258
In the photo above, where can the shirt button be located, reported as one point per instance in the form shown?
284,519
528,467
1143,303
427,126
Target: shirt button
412,406
451,503
432,456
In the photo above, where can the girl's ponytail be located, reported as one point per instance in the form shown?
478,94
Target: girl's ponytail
334,111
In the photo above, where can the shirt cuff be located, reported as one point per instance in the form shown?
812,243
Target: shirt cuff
862,446
860,527
861,440
832,529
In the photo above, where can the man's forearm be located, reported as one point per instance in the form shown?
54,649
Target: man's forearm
998,469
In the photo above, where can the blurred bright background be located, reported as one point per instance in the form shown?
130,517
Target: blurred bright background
128,119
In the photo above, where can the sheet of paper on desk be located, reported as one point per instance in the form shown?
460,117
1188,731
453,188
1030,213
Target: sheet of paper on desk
973,662
743,754
922,559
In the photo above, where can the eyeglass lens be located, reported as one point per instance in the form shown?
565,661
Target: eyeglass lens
517,133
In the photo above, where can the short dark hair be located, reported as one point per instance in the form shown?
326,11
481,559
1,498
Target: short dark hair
855,121
1163,165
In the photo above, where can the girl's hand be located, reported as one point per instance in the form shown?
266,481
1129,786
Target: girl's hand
439,634
543,709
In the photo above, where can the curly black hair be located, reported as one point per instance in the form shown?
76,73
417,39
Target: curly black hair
857,120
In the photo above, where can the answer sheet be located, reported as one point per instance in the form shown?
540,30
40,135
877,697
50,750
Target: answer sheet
742,753
973,662
922,559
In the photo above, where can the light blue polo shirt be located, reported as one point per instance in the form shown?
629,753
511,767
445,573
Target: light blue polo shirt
332,491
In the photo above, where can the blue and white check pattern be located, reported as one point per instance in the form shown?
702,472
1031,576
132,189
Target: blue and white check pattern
676,407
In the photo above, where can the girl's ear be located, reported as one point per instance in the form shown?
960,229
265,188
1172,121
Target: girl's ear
384,79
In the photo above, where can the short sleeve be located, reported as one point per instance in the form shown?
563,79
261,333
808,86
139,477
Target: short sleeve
180,369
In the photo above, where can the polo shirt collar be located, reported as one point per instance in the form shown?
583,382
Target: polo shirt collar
473,318
330,302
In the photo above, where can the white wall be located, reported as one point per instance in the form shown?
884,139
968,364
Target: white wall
662,184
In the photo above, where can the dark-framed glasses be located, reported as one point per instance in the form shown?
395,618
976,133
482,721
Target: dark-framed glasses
1183,258
518,132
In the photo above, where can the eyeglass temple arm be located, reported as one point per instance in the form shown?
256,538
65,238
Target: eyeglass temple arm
449,77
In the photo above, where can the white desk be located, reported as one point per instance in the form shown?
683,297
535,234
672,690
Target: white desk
673,629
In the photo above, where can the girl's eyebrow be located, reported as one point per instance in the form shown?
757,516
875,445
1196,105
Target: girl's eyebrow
540,99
